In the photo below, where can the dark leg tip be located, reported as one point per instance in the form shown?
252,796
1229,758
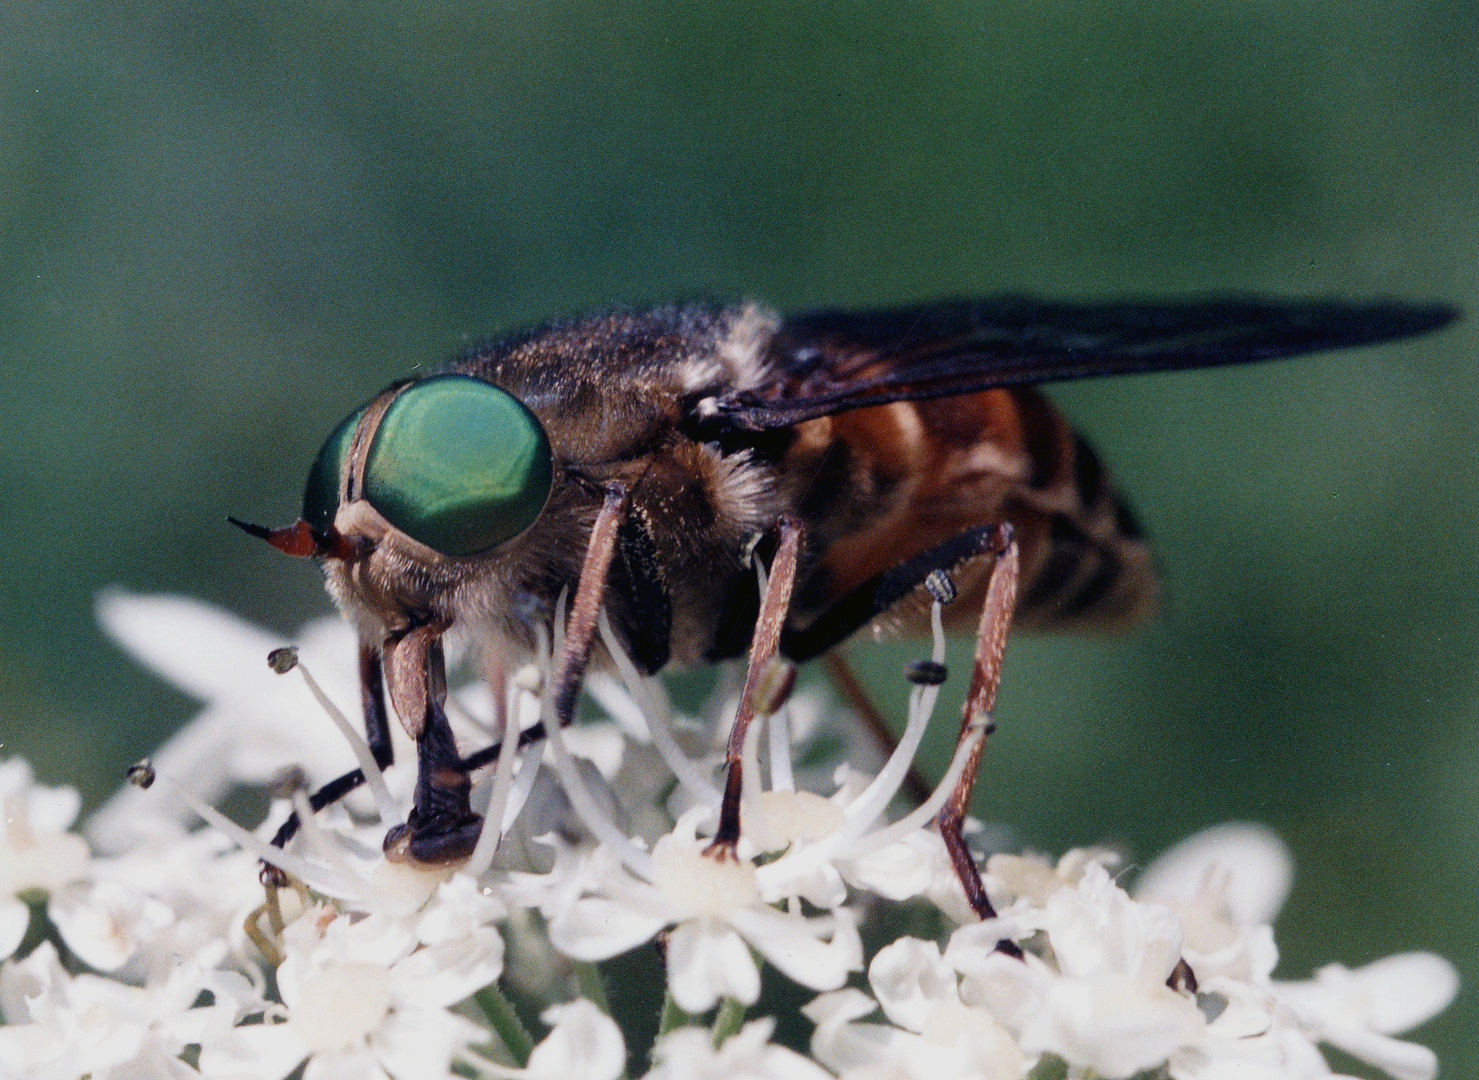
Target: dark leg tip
1010,948
723,850
438,845
1182,977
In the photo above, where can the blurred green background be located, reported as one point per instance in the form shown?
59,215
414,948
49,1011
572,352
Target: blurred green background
225,225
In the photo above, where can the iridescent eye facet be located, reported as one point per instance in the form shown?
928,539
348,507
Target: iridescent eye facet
321,493
459,465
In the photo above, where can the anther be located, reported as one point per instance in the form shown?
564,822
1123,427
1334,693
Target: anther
925,672
288,782
940,587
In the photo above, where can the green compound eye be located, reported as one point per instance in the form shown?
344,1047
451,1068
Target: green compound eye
321,493
459,465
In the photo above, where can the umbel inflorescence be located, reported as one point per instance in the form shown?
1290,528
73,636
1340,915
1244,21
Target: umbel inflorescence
150,949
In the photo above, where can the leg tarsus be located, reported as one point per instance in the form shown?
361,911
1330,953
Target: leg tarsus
1182,977
964,863
441,827
372,701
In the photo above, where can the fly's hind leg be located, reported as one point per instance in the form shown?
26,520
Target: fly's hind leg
976,724
880,593
976,717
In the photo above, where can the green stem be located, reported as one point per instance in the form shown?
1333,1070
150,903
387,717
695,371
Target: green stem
672,1016
506,1023
592,984
730,1019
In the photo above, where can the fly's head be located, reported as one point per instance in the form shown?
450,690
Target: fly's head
413,499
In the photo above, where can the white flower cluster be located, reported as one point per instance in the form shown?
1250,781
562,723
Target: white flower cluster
153,951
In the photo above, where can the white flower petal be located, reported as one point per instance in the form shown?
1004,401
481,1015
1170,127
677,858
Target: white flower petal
1111,1025
338,1006
35,1050
839,1007
107,922
1097,929
596,929
820,886
909,978
1387,996
1406,989
319,940
444,974
14,918
793,944
1280,1053
198,647
1013,990
45,862
968,1043
461,907
689,1054
47,809
357,1064
708,961
1398,1059
975,943
419,1044
1258,865
32,988
260,1050
583,1042
840,1043
600,744
899,870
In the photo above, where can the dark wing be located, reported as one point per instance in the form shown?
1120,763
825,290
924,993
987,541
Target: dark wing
830,361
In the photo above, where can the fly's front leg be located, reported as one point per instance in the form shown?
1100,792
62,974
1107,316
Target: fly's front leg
764,647
580,631
372,701
441,827
437,754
